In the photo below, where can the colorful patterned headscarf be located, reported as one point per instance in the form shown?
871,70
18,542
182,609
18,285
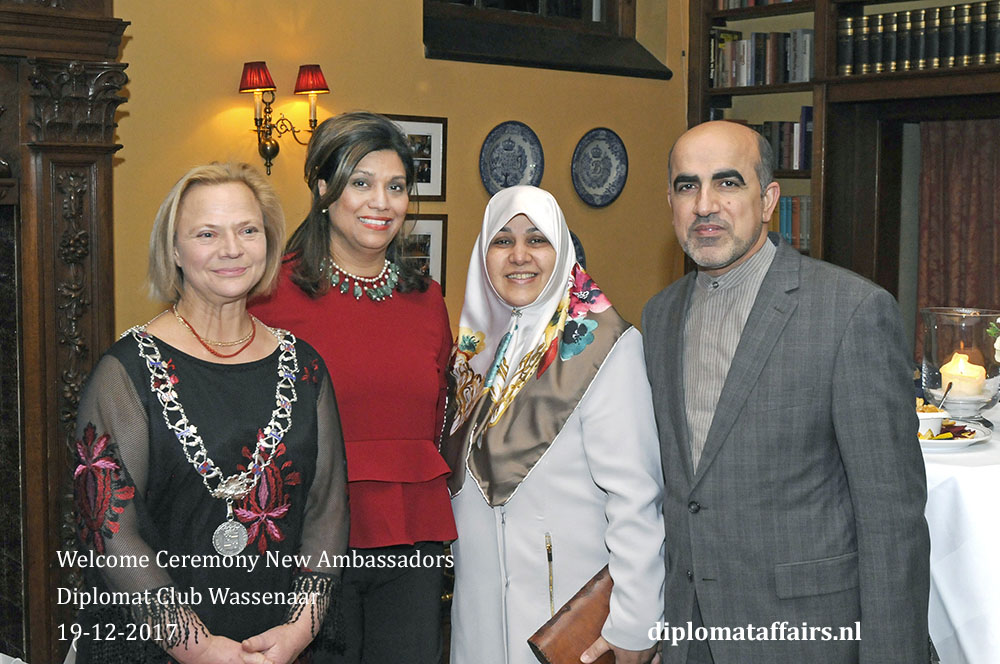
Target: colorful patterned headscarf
503,351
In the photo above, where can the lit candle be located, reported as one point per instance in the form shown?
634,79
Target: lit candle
258,106
967,379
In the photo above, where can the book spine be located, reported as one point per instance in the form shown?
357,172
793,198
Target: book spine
845,46
862,64
772,133
786,145
721,65
903,26
977,36
785,220
783,57
933,37
875,43
771,59
963,34
946,38
793,45
796,146
720,59
802,55
809,57
742,61
889,42
918,41
993,32
806,228
713,57
760,58
734,65
781,218
806,120
796,205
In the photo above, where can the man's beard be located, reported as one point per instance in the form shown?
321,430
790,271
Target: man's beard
737,250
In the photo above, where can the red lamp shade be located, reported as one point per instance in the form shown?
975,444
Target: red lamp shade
310,81
256,77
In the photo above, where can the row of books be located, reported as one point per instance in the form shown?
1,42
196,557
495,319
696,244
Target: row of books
795,220
742,4
952,36
791,142
764,58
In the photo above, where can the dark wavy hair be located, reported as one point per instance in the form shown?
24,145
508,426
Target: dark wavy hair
334,150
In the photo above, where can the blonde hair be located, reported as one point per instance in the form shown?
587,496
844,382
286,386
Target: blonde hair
166,281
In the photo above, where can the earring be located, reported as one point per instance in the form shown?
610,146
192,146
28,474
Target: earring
325,210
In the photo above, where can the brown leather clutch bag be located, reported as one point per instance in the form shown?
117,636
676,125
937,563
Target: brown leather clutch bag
576,625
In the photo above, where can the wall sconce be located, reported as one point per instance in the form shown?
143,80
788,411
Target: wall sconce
257,79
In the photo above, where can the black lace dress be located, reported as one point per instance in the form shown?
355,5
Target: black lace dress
146,519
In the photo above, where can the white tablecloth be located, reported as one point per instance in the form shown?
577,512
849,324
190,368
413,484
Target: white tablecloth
963,513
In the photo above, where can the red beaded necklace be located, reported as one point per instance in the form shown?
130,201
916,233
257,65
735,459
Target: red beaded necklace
253,334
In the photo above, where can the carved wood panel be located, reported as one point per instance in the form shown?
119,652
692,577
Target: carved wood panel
74,102
67,300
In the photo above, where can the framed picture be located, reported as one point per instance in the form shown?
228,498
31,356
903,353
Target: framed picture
429,141
428,243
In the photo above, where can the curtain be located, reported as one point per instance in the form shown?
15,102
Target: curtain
959,237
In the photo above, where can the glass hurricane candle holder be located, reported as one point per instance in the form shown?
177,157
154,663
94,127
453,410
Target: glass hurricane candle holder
958,349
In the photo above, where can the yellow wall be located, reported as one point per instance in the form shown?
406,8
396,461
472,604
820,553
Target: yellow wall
185,58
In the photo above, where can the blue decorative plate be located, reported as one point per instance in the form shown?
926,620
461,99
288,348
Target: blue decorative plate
511,155
600,167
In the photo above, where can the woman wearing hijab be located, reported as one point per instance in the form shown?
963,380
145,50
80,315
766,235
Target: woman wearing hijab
553,446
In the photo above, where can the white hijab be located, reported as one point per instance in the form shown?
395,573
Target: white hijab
486,313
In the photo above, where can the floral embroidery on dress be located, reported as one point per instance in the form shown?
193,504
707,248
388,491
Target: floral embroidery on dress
577,335
261,509
100,491
585,295
310,372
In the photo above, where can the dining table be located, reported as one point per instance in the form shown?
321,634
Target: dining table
963,515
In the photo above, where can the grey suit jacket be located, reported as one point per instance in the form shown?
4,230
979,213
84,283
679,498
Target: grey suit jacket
808,502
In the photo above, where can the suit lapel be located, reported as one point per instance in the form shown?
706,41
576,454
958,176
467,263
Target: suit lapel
770,313
675,403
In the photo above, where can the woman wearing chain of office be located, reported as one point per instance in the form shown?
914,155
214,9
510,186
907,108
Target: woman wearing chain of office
208,449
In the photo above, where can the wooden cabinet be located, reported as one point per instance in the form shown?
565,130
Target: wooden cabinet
858,120
59,91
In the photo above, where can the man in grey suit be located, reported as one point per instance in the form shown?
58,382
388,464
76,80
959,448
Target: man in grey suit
795,488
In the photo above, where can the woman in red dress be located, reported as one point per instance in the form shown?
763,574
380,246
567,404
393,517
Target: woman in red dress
383,330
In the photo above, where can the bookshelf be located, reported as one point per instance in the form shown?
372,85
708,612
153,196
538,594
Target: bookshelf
766,93
857,119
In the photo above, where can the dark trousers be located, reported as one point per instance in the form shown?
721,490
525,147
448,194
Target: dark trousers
391,614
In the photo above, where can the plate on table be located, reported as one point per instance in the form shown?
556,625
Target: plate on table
511,155
982,434
599,167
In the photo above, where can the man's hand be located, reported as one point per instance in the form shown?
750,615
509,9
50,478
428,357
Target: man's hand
622,656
